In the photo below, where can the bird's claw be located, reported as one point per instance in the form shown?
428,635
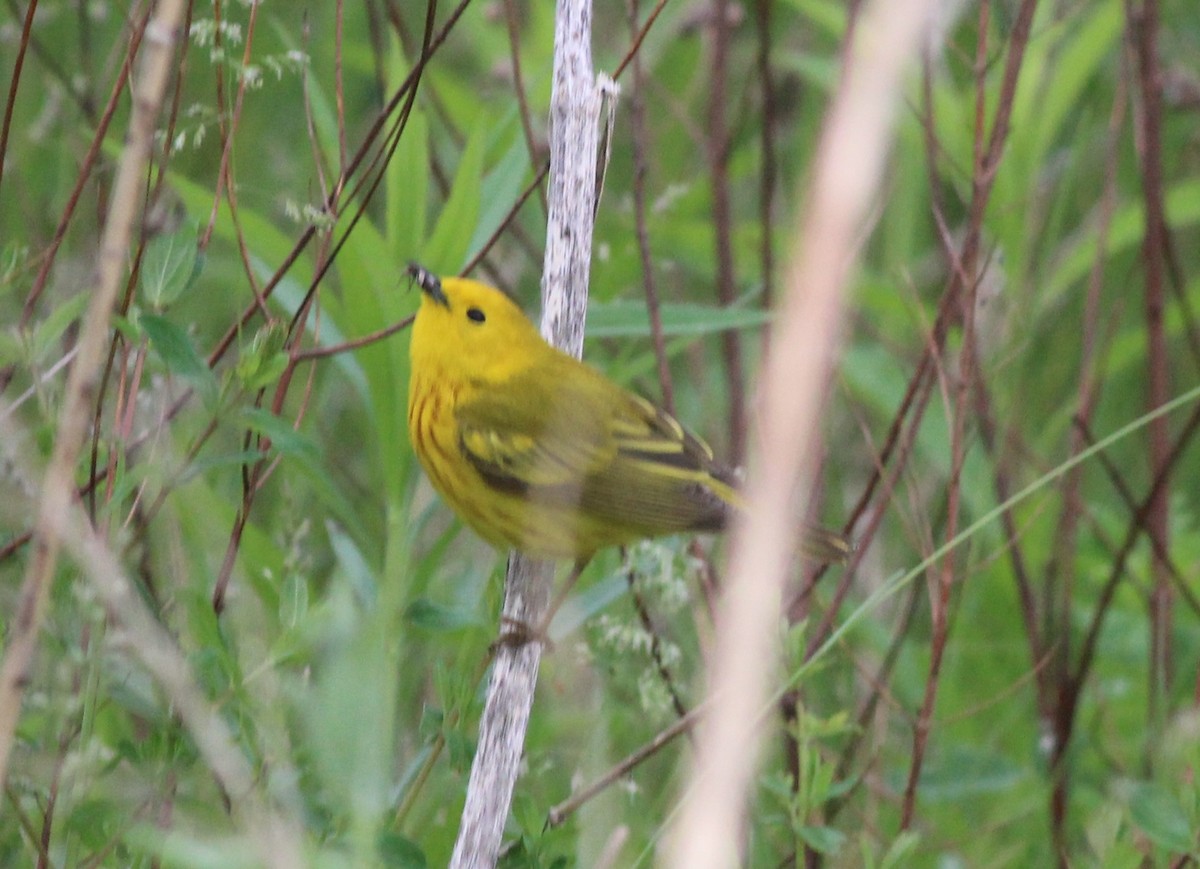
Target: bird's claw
517,633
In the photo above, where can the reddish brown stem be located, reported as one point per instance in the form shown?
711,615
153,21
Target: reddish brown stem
15,83
536,157
637,121
85,172
1144,26
768,171
717,152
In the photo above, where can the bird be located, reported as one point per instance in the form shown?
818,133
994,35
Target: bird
540,452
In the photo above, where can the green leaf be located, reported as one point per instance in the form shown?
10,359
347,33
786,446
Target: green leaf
263,371
446,252
223,460
898,851
1158,813
262,363
827,840
191,850
289,295
1089,47
501,188
293,600
460,750
964,771
126,328
350,717
827,15
12,348
135,693
289,442
431,722
13,258
177,351
170,265
400,852
433,616
408,190
587,603
1102,828
359,575
47,334
630,319
1124,233
284,439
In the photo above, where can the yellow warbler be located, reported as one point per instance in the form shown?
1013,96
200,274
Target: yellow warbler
539,452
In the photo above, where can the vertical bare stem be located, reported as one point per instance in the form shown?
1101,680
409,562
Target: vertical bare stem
844,177
939,592
961,292
1059,613
766,193
637,121
339,87
718,163
514,39
1144,24
574,112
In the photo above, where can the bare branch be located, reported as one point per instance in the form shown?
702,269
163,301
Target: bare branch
575,101
58,488
843,181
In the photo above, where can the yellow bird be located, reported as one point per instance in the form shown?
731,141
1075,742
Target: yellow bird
539,452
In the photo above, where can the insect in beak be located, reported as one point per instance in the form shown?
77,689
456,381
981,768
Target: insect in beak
429,283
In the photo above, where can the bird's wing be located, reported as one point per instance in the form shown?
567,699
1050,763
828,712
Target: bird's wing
650,436
537,433
574,439
661,476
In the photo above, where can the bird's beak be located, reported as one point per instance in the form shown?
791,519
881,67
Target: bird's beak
430,284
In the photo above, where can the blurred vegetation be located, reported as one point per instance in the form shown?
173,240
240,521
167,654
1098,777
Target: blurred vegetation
347,654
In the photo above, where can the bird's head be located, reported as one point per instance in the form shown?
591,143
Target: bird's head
470,329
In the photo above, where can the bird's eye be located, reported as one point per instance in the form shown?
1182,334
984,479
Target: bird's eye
476,315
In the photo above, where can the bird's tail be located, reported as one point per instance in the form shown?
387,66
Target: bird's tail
825,546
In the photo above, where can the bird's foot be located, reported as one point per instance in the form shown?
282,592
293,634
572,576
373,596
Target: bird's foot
517,633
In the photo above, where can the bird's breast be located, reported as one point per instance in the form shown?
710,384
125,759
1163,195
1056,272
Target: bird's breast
434,433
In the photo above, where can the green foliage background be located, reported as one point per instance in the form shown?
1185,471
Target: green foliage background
348,658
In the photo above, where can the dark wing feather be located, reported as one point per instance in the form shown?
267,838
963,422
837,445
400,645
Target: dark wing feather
662,476
536,435
571,438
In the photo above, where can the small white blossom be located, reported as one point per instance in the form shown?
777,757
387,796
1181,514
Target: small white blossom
253,77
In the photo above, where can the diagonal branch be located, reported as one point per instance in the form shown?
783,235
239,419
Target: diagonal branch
58,487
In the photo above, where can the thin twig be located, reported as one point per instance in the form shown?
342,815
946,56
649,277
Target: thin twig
569,806
88,164
656,645
58,488
508,221
844,177
768,171
717,152
1125,493
637,124
14,84
324,351
514,44
637,42
1143,22
963,387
